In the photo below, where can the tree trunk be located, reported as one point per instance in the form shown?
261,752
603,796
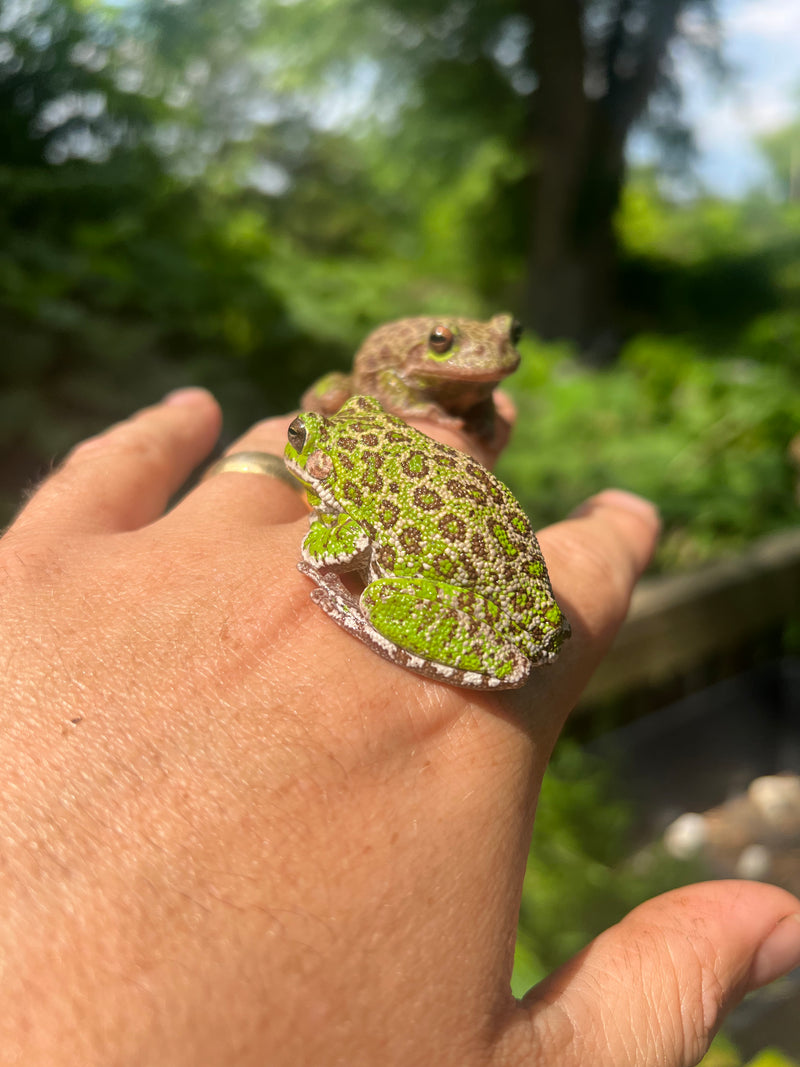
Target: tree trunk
577,145
572,272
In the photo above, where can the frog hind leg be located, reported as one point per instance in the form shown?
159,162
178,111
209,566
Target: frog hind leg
415,623
333,596
333,593
458,634
509,667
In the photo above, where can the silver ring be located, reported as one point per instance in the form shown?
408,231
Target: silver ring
254,463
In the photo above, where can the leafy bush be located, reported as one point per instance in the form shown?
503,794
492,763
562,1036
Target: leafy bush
705,438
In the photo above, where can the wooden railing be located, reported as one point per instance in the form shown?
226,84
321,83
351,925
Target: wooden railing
677,623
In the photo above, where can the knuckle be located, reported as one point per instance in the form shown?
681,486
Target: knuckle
26,564
132,442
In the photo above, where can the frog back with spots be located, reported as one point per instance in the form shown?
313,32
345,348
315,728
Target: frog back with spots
435,512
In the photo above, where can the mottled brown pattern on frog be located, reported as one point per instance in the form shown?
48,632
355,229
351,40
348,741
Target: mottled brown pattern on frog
398,366
352,492
389,513
448,520
453,528
386,557
411,540
427,499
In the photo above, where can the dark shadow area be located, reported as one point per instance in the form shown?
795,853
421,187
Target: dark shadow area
713,299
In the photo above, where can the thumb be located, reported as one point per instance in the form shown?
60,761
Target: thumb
654,988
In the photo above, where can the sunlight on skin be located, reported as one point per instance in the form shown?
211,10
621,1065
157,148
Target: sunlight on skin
233,834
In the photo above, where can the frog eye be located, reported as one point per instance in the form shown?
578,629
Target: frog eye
516,331
297,434
441,339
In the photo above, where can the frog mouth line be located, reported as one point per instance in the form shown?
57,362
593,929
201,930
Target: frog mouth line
296,471
439,371
316,488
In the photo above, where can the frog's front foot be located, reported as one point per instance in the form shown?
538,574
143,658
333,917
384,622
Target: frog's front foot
327,394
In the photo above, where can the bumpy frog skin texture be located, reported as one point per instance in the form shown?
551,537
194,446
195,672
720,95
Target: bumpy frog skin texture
443,369
455,583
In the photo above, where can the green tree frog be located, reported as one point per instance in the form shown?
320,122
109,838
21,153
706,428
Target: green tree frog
455,584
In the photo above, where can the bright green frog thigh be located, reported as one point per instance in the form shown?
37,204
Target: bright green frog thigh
443,623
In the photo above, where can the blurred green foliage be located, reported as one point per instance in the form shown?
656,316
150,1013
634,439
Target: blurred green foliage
697,415
704,437
582,876
723,1053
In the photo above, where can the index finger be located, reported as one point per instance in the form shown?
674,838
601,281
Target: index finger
595,557
603,547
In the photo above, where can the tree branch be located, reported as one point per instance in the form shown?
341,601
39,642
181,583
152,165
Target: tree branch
615,41
627,95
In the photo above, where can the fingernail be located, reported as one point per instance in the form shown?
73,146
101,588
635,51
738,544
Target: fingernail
189,394
779,953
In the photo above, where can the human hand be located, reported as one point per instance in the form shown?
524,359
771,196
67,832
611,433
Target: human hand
233,835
